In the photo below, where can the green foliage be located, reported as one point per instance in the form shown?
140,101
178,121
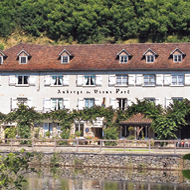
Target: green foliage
186,157
10,132
96,21
25,118
186,173
111,134
48,134
11,169
131,137
1,47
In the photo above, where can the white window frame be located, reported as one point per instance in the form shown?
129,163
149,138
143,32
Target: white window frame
177,98
23,101
149,59
123,101
57,77
23,80
149,80
153,100
89,99
20,58
177,58
79,128
177,80
1,58
123,58
57,103
123,78
65,56
90,80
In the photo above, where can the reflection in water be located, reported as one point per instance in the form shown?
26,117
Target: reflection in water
69,178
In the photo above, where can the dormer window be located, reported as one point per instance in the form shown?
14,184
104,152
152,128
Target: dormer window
150,55
65,59
23,57
150,58
65,56
1,60
177,55
2,55
177,58
123,56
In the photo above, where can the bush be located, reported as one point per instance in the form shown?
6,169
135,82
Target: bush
111,134
131,137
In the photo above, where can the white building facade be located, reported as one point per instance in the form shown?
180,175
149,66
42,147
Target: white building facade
79,76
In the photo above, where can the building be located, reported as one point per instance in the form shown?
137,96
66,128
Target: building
77,76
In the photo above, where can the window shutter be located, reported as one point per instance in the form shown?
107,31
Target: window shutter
32,80
99,80
12,80
111,80
29,102
131,78
157,101
66,103
47,80
187,79
80,80
167,79
139,79
80,103
168,101
51,129
47,104
129,101
159,79
14,103
113,103
97,101
66,80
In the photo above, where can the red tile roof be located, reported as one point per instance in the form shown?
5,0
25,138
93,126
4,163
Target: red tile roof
137,119
95,57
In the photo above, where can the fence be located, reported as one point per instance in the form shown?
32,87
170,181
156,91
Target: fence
122,145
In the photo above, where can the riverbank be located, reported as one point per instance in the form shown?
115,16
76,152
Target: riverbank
110,160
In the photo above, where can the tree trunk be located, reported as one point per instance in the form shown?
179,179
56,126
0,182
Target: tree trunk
138,131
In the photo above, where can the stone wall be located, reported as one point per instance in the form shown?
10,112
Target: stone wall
81,160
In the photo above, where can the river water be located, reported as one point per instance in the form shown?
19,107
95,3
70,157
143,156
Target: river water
69,178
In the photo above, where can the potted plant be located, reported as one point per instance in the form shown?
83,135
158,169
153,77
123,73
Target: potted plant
48,134
77,133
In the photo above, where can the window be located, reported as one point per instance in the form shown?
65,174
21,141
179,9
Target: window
57,80
89,102
56,103
177,57
22,79
79,127
65,59
48,127
121,80
1,60
23,59
149,80
22,101
150,99
89,80
150,58
177,80
122,103
123,58
177,99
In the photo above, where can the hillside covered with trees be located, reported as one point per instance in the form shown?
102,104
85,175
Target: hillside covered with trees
96,21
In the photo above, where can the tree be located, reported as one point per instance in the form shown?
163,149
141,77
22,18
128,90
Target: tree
25,117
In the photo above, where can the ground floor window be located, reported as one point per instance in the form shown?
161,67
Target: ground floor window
89,102
79,129
48,129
